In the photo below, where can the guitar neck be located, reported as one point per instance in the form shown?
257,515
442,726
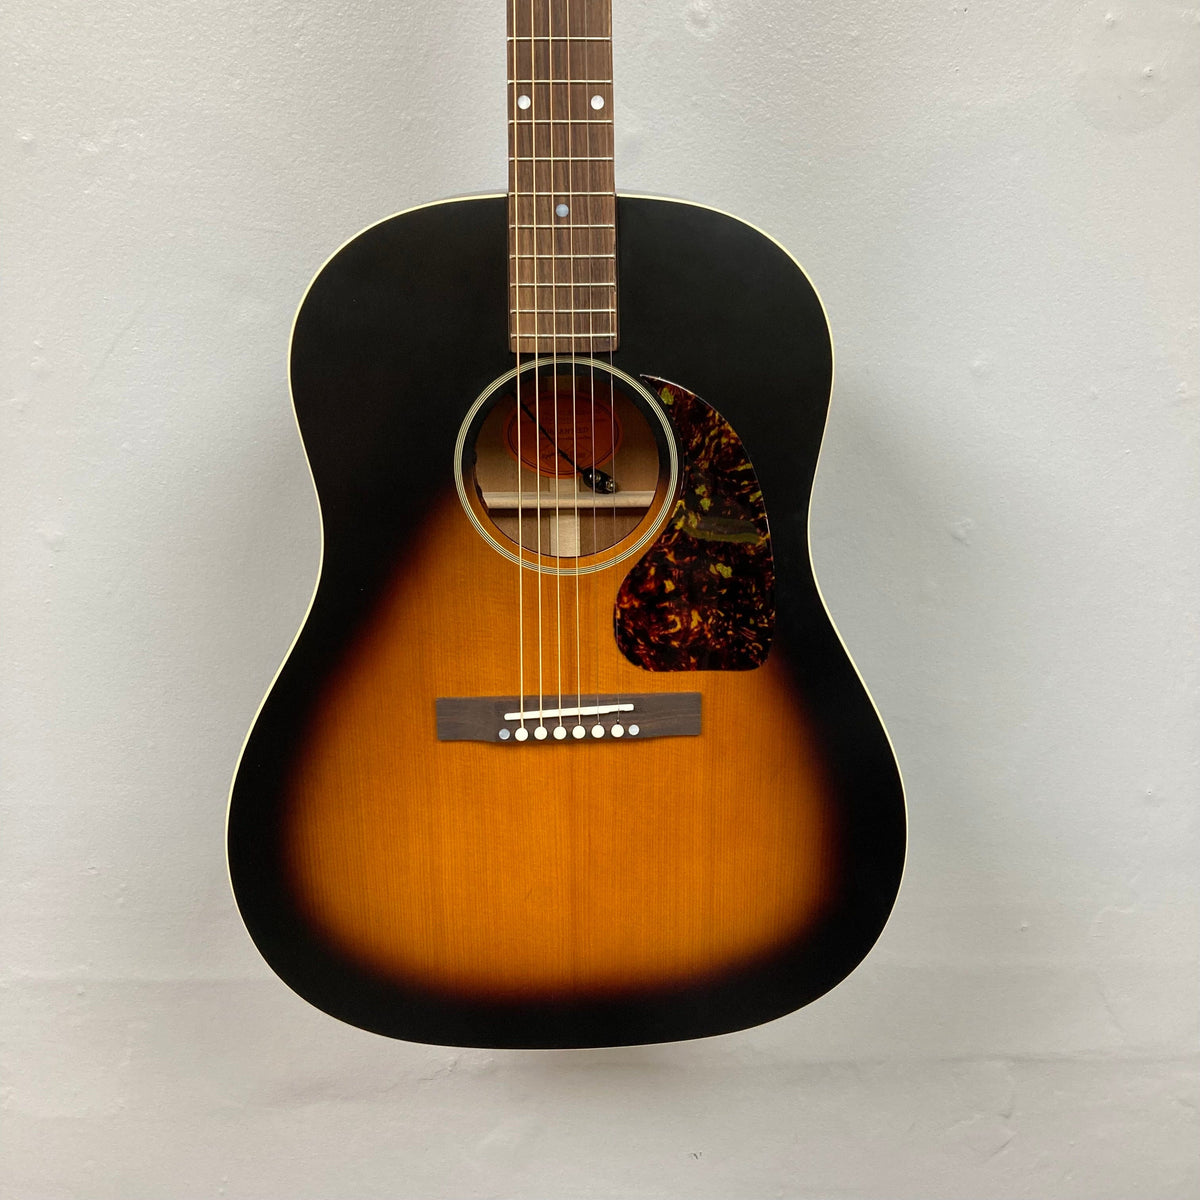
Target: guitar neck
561,193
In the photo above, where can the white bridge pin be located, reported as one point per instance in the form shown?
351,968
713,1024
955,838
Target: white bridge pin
522,734
540,733
578,732
597,731
560,732
617,731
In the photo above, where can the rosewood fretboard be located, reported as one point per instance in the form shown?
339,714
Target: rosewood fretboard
561,200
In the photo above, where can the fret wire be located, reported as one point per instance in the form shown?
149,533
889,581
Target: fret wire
523,122
558,285
573,158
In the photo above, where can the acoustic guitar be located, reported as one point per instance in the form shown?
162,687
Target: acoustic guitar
567,751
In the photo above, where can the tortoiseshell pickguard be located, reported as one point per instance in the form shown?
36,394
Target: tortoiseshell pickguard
702,598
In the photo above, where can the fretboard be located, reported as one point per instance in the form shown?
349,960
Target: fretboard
561,200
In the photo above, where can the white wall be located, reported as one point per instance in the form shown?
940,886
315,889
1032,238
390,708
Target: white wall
998,203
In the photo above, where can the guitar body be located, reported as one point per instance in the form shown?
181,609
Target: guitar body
427,881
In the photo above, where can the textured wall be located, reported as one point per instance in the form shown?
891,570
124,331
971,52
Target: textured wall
998,203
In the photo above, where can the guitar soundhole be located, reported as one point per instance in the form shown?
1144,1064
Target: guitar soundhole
570,461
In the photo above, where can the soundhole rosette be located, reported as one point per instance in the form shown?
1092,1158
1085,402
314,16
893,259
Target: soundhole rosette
566,465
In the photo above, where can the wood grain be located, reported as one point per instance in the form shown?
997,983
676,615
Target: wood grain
547,870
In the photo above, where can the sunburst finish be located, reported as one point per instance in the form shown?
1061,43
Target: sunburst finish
553,894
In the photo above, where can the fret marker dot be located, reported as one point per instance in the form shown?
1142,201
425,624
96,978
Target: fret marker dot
561,210
523,102
597,102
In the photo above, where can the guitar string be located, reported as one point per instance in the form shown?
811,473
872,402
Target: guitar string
591,317
574,305
537,375
612,399
557,548
516,220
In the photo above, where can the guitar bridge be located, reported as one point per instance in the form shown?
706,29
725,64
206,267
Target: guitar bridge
509,720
